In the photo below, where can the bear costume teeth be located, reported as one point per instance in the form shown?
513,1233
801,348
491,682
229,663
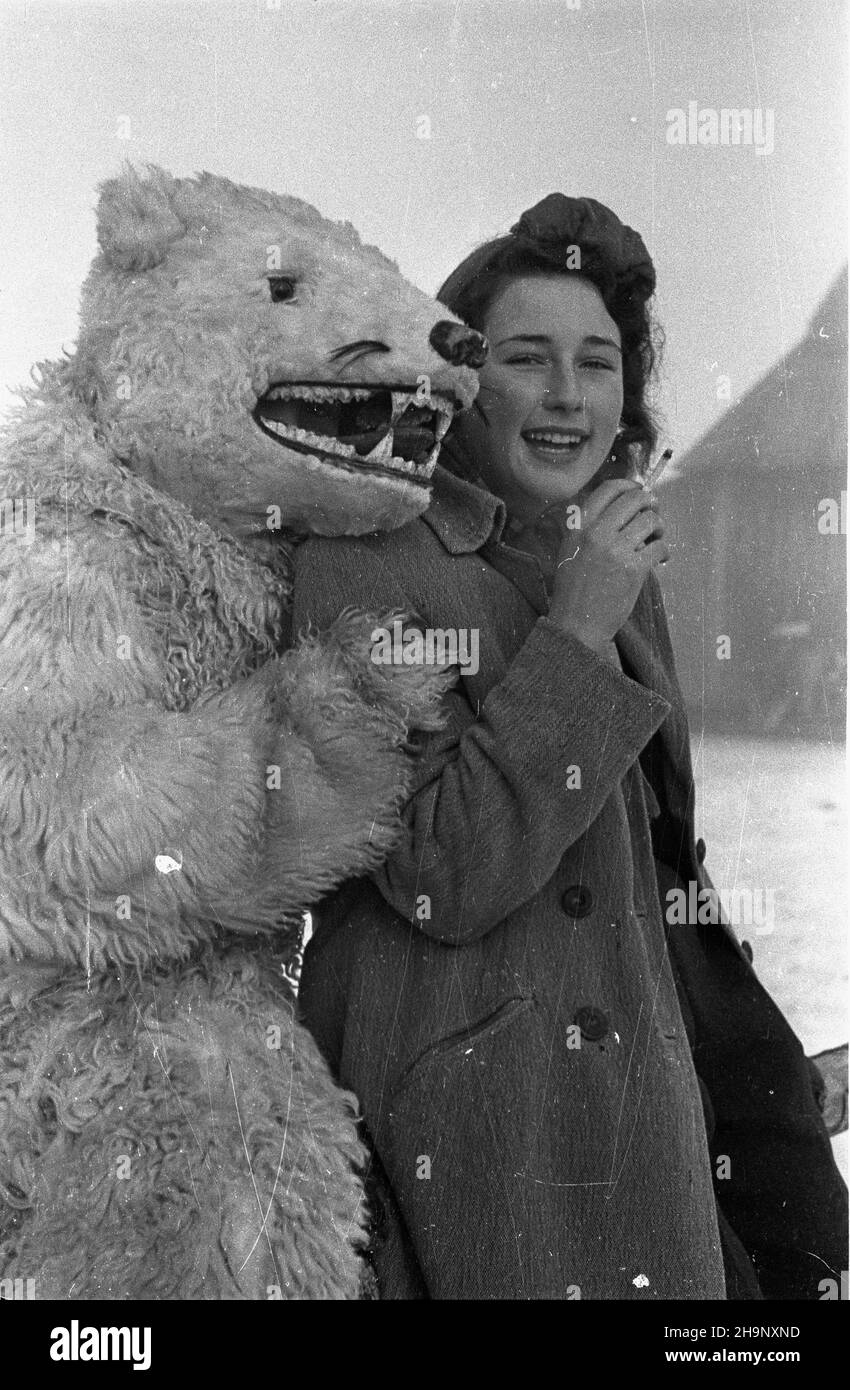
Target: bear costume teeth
387,425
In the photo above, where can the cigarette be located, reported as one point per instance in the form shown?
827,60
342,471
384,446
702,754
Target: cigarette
657,469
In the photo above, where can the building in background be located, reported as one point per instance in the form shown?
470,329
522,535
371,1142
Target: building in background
757,513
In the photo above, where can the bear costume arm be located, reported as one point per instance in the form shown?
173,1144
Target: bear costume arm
130,828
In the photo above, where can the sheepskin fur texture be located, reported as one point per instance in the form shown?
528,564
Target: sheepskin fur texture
121,1109
178,781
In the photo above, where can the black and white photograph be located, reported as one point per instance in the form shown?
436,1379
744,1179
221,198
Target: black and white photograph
423,625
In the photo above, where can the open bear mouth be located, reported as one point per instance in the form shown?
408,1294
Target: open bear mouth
374,429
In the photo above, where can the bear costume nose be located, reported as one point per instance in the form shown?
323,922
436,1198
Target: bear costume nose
461,346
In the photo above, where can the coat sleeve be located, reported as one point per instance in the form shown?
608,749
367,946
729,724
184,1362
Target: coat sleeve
501,792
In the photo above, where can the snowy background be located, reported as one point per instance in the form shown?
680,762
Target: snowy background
774,813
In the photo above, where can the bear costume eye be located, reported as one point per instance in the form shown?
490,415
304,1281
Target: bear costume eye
281,288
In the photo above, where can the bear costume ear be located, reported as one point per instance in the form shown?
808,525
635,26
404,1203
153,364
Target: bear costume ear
136,218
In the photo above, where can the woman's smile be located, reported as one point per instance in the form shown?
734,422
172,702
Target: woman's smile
555,443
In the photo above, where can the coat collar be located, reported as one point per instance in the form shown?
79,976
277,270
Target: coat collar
462,515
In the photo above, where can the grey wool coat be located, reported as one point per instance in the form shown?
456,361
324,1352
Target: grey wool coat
502,996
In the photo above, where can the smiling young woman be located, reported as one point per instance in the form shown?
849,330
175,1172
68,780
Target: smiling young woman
551,393
549,1074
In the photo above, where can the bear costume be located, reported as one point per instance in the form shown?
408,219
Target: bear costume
177,781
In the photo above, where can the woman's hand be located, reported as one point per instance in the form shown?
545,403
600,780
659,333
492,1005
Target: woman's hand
602,565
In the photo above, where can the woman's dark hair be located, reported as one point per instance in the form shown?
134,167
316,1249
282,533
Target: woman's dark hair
471,289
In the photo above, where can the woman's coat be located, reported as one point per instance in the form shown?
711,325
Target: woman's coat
502,996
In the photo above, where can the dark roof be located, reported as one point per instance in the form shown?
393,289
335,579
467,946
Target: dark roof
795,417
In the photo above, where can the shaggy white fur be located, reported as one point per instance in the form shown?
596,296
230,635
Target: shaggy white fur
170,783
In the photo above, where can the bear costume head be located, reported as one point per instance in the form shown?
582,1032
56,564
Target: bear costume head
260,363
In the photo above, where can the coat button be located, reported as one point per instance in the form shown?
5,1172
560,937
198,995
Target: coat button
700,851
577,901
747,950
592,1022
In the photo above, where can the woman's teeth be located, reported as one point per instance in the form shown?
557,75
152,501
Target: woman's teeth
553,439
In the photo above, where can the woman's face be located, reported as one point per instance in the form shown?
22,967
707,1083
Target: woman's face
551,392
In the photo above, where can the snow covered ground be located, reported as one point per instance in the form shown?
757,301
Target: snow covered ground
774,817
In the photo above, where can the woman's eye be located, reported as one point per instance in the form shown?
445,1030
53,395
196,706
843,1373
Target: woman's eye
521,360
600,362
281,288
